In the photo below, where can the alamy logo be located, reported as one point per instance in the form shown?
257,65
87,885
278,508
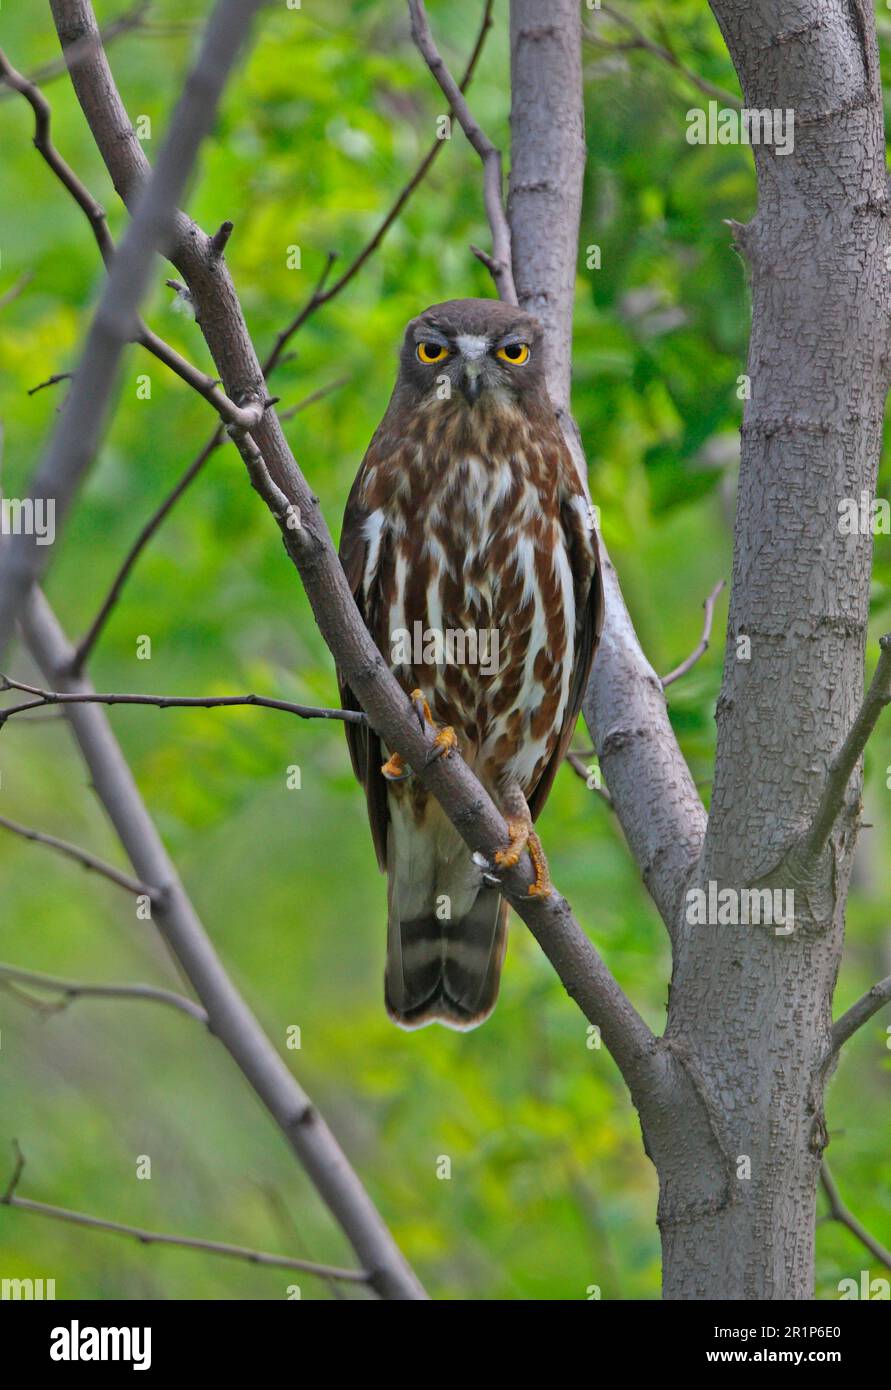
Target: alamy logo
450,646
733,907
29,516
726,126
27,1289
76,1343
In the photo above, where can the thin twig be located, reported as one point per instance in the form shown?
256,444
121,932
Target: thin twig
320,295
814,841
14,291
50,381
81,856
61,697
860,1013
580,768
134,18
243,417
702,645
658,50
275,358
839,1212
313,397
76,989
493,190
208,1247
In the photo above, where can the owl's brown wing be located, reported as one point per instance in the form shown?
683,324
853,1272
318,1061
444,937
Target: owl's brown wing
363,742
584,561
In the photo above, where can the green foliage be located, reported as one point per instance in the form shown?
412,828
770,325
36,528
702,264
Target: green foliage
549,1192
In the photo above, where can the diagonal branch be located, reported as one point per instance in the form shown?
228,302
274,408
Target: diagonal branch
77,434
499,263
274,472
832,799
639,40
83,857
76,989
860,1013
11,1198
231,1021
840,1213
64,697
702,645
319,297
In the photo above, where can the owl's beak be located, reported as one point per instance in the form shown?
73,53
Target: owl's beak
471,383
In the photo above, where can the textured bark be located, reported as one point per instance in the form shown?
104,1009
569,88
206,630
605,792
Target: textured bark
752,1008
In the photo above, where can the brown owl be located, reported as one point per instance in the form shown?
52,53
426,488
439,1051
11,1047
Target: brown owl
469,545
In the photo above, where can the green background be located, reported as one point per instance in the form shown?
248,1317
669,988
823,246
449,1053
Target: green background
550,1192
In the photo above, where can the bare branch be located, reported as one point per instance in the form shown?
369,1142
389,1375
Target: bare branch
61,697
860,1013
838,775
90,638
53,380
243,418
76,989
275,358
702,646
639,40
839,1212
499,263
208,1247
9,296
231,1021
78,432
275,474
83,857
134,18
320,295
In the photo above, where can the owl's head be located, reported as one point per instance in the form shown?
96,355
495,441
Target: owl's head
473,351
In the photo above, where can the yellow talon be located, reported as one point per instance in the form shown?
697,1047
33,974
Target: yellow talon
523,837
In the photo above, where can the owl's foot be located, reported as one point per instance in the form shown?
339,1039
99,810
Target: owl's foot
523,837
446,738
395,769
541,886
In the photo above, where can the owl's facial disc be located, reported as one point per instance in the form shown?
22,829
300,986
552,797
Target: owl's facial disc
478,365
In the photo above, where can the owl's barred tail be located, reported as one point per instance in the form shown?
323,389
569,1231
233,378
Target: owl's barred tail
446,972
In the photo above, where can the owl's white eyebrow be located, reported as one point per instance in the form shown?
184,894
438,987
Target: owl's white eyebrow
472,346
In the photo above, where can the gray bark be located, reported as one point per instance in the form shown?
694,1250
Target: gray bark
749,1025
751,1007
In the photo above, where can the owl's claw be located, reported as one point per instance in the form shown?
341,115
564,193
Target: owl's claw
445,741
523,837
395,769
446,738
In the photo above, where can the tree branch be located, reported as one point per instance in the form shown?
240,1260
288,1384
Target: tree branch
832,799
134,18
207,1247
9,296
639,40
82,857
199,381
702,646
77,434
860,1013
500,262
275,474
839,1212
317,299
231,1021
62,697
75,989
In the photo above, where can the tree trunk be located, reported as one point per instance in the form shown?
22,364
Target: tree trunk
751,1005
737,1129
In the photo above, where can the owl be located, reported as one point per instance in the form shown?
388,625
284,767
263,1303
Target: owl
469,544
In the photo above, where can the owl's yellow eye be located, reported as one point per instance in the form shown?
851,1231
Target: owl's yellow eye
432,352
515,353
